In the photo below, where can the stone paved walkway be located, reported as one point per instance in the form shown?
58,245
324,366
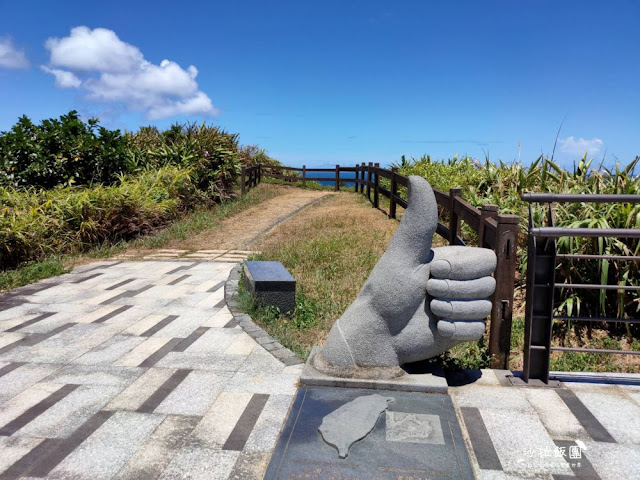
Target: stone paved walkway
584,429
135,370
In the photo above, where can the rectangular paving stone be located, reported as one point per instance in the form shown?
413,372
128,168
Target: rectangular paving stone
208,286
16,406
143,351
555,415
120,284
163,391
492,398
242,345
220,420
9,338
527,449
48,454
219,319
205,361
215,340
266,384
250,466
22,378
6,367
37,411
97,314
13,449
68,414
483,447
195,394
159,354
110,350
144,325
159,326
617,413
261,362
188,341
613,460
264,435
211,299
240,433
139,391
165,291
202,464
96,375
156,452
33,320
99,457
585,416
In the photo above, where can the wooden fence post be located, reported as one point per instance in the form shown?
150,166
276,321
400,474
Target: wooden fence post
356,173
259,172
362,168
369,167
376,186
304,175
242,180
394,192
502,299
486,212
337,185
454,221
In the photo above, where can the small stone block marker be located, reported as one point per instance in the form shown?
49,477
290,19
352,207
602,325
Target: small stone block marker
271,284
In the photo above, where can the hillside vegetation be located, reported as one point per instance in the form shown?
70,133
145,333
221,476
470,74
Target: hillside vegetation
67,185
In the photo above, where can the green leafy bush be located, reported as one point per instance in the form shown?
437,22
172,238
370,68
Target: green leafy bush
209,152
65,151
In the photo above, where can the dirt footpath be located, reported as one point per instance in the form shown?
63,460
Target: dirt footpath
241,231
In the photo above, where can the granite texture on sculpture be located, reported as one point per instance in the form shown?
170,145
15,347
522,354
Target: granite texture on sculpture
417,303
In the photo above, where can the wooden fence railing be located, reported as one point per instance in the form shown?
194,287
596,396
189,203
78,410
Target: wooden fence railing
496,231
250,177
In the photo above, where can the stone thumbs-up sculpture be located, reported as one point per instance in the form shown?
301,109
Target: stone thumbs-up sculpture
417,303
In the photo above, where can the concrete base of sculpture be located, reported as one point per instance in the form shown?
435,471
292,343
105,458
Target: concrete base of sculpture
402,381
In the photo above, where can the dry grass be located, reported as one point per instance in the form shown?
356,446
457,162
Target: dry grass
330,248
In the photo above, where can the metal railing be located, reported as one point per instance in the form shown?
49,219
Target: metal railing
541,283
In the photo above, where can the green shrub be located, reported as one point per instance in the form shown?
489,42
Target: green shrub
67,151
37,223
209,152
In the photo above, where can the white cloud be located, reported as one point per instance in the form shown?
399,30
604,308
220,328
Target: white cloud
64,79
577,146
11,56
112,71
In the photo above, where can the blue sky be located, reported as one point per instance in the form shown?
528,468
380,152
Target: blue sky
329,82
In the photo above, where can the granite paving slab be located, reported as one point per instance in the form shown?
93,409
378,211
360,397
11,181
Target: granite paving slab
132,370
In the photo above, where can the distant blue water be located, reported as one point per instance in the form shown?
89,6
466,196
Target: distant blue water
312,175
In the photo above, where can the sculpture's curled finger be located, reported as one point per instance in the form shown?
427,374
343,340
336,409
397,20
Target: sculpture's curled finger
462,263
460,309
461,289
460,330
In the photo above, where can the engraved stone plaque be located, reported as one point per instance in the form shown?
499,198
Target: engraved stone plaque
414,428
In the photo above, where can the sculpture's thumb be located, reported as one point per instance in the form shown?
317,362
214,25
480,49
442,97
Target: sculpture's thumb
412,240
